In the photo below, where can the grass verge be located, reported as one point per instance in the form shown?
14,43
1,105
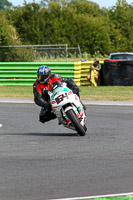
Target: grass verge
108,93
115,198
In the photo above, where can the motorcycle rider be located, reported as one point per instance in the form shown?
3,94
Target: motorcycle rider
41,87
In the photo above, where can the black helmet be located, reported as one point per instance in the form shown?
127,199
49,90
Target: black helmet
55,85
43,74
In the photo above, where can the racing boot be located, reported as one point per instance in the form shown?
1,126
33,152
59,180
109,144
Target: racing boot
46,115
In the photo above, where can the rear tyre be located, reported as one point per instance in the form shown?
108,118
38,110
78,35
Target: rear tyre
76,123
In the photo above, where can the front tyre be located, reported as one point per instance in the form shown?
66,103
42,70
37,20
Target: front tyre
75,121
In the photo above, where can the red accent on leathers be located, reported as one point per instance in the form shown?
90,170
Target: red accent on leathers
39,86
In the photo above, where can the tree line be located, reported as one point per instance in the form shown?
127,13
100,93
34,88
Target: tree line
75,22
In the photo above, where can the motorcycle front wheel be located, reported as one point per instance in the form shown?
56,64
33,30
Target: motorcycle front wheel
75,121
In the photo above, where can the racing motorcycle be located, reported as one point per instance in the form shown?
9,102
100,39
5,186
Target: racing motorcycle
67,107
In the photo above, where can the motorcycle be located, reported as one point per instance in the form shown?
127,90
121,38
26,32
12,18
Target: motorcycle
67,107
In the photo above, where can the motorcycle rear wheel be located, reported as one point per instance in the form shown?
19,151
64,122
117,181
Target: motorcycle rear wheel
75,121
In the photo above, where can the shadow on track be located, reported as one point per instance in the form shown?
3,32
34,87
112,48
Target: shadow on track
43,134
53,134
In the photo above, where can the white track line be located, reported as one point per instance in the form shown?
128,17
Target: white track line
16,100
100,196
30,100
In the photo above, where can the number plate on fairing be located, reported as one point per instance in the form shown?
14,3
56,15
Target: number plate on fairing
60,98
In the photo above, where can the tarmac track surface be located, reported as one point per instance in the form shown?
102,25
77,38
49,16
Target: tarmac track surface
47,161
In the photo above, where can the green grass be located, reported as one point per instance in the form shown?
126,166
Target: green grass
116,198
16,91
109,93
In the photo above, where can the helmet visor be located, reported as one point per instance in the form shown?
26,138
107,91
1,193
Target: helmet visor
43,78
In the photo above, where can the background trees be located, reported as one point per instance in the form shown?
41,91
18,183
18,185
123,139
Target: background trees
8,35
4,4
74,22
122,17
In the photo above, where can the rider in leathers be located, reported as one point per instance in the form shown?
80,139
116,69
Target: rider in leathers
41,87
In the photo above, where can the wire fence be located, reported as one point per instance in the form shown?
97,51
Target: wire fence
31,53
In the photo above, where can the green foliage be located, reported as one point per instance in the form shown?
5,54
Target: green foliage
4,4
8,36
75,22
26,19
122,17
